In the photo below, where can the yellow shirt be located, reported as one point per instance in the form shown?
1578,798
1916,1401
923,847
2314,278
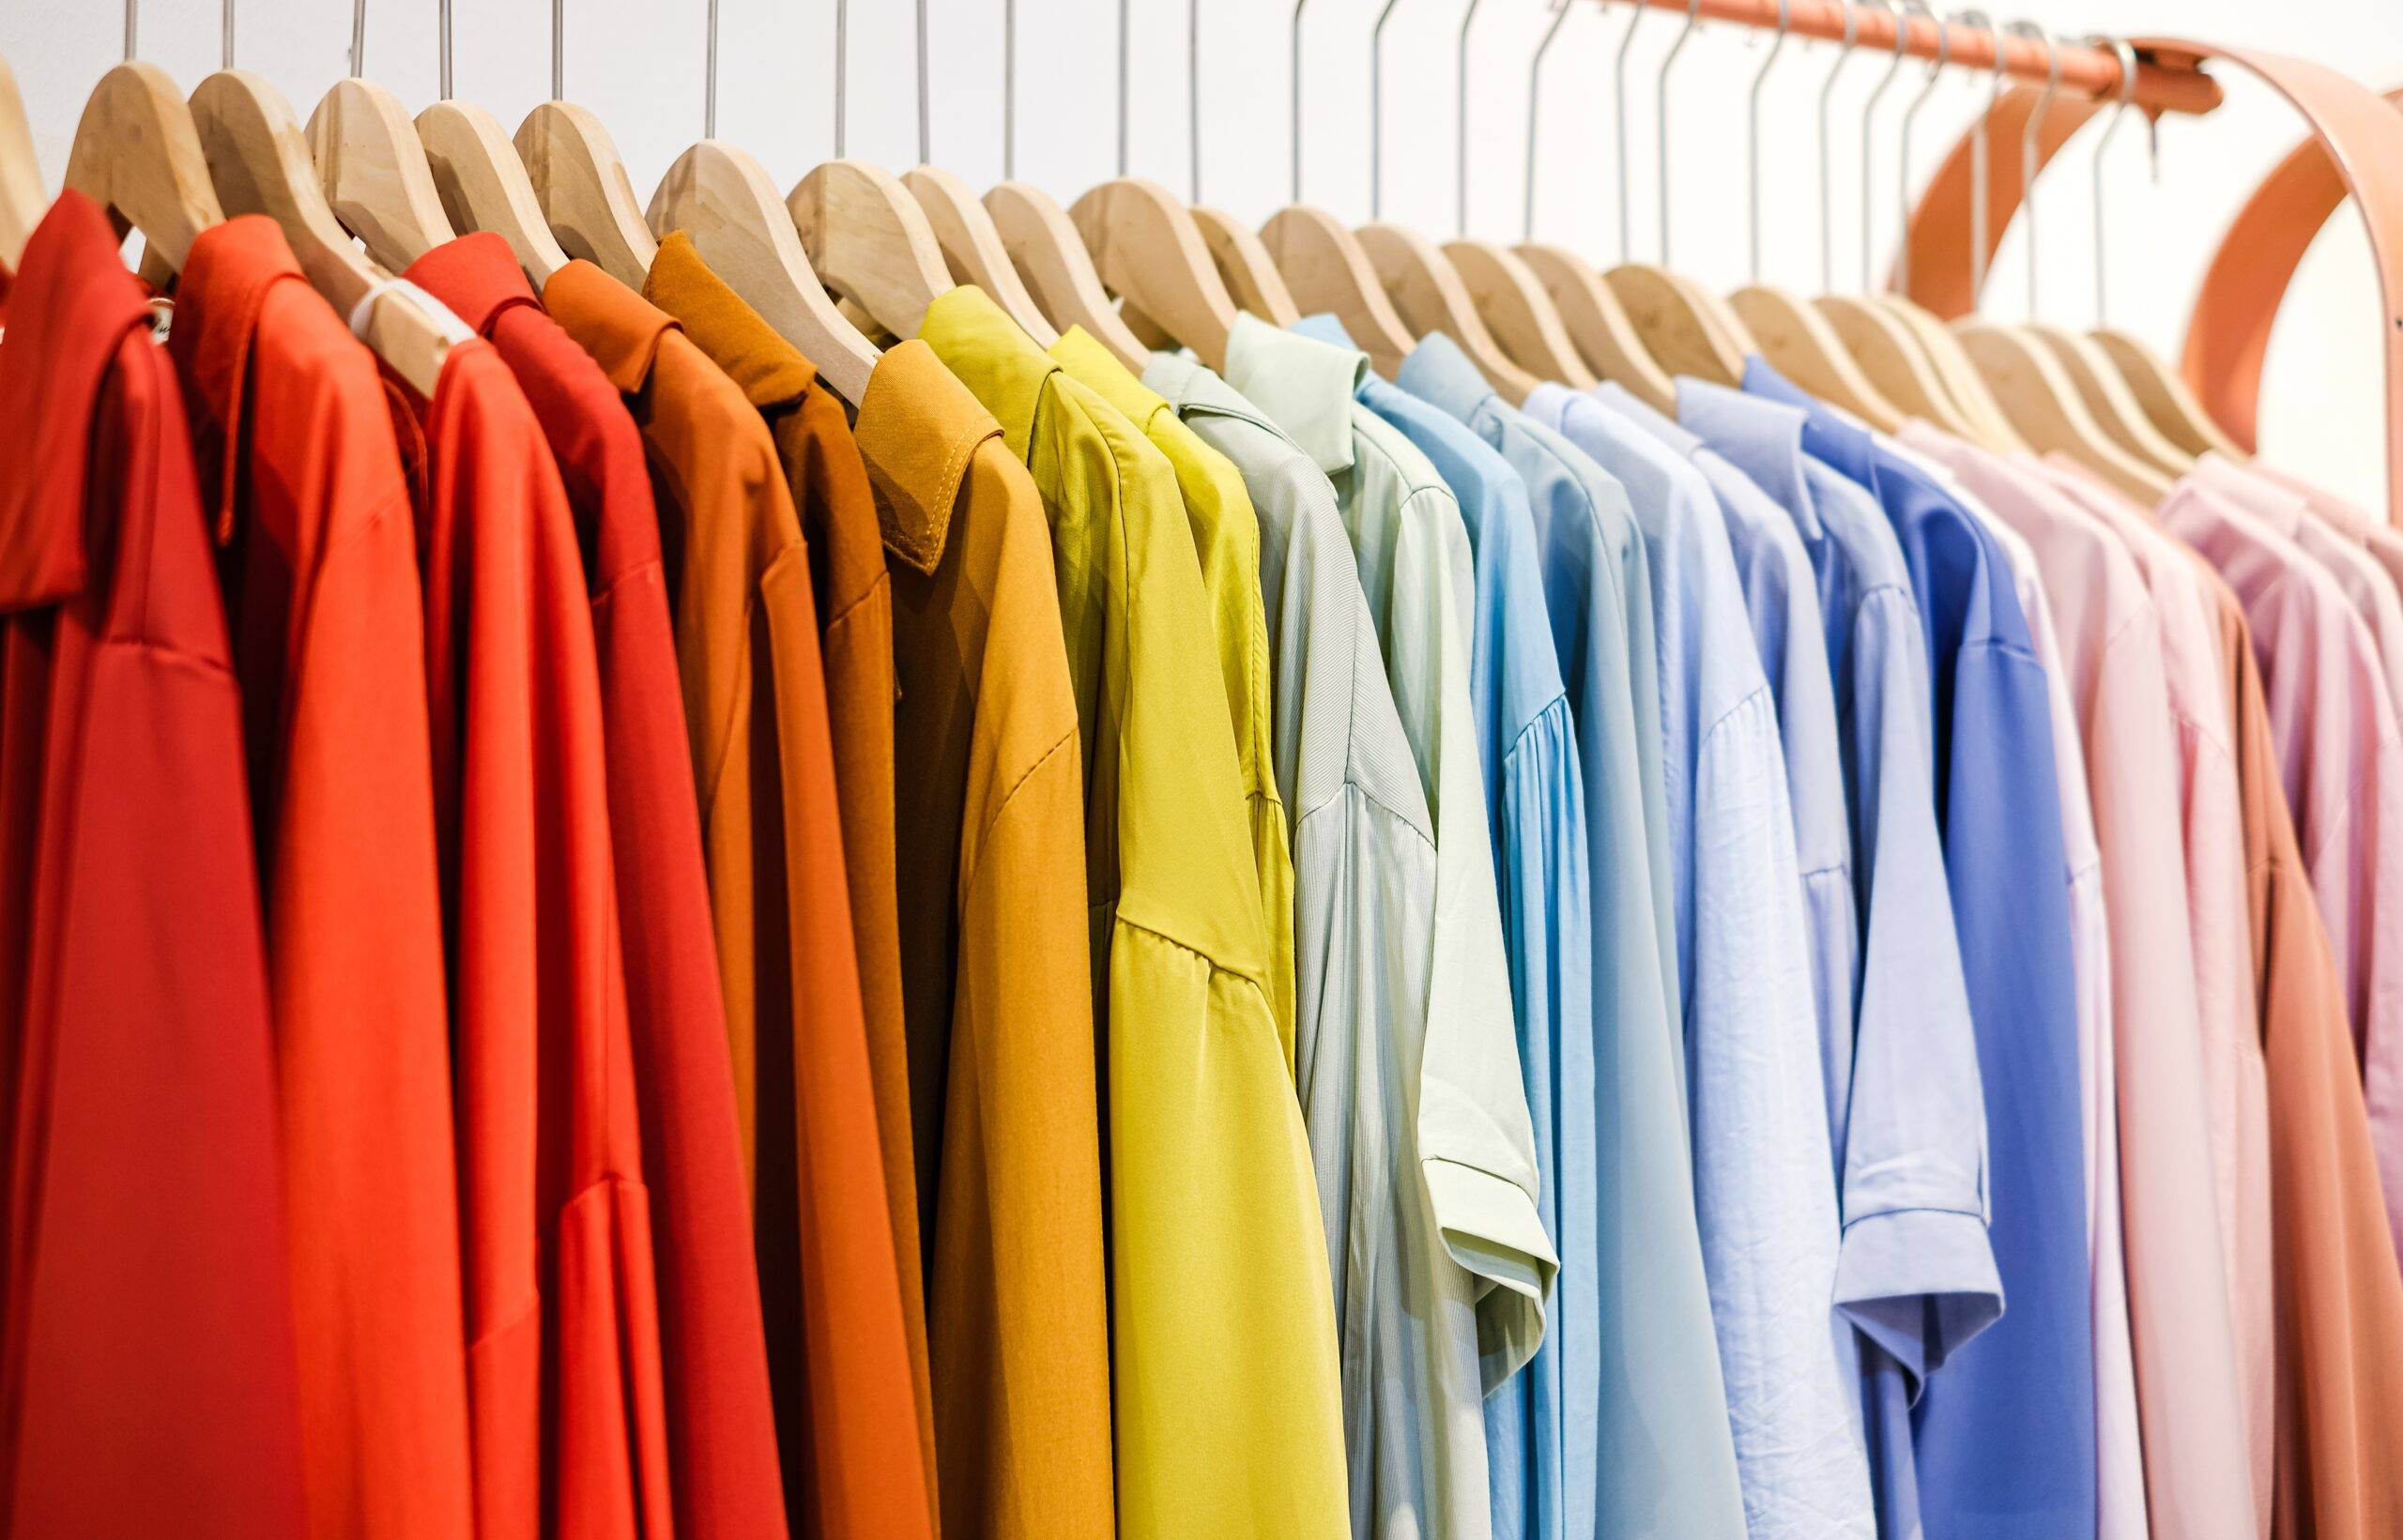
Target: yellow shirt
1226,536
1223,1350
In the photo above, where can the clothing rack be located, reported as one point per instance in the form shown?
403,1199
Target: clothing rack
2169,83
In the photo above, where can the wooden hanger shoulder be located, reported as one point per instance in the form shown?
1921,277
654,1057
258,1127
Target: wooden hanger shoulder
2165,396
586,195
1871,345
1429,293
22,202
2044,407
868,239
374,171
2107,398
1151,254
1244,262
483,186
1325,271
1960,377
972,248
137,154
1050,256
1517,311
1598,323
1671,326
720,197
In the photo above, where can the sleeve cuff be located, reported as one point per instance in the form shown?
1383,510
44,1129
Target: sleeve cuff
1920,1283
1490,1228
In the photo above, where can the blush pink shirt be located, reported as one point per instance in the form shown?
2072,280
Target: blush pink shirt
2236,1077
2197,1458
2381,540
2341,758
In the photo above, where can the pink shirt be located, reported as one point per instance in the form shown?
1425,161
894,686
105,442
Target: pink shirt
2341,758
2236,1077
2198,1457
2381,540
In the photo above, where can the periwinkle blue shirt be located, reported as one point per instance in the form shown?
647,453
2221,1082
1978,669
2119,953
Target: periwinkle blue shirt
2005,1437
1917,1274
1781,595
1643,1389
1763,1170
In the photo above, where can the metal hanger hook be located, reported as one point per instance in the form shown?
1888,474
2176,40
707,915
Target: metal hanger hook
1619,111
1377,110
1460,124
926,121
1660,114
132,26
226,44
558,49
1868,142
1981,152
1753,127
842,71
1124,43
1535,81
2028,136
1192,92
2127,55
1294,119
1902,140
1826,148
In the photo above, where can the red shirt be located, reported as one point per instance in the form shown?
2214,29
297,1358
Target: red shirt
295,442
147,1380
562,1314
721,1427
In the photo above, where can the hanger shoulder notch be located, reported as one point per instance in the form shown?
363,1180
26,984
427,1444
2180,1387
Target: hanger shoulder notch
867,238
2108,400
1673,326
1427,290
1597,323
1517,311
584,194
2046,409
1050,256
137,154
374,171
2165,396
1325,271
720,197
1150,253
483,186
972,248
1250,273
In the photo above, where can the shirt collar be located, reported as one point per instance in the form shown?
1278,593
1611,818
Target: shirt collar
980,344
1190,388
772,373
1098,369
2274,505
1662,426
477,277
76,307
1845,446
1439,373
224,283
1761,437
1306,383
617,327
918,429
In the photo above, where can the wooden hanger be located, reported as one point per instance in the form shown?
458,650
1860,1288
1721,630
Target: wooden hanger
2108,397
1050,256
1953,371
868,239
1799,341
2165,396
1894,360
1244,262
1428,292
972,247
22,202
374,170
1512,303
720,197
484,185
1598,323
583,191
260,165
1151,254
137,154
2047,410
1325,271
1668,321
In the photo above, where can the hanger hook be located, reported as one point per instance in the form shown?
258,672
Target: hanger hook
1753,127
1535,80
357,38
1125,32
2127,55
1294,115
1460,125
842,71
1660,114
926,121
2027,134
132,25
1826,150
1192,93
1868,142
1009,90
1980,154
558,49
1903,141
708,77
1618,115
1377,110
225,45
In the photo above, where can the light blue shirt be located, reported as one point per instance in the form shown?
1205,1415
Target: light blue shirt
1917,1274
1646,1386
1763,1170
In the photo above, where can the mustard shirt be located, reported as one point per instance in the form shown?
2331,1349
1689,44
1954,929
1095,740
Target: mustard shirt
1227,1406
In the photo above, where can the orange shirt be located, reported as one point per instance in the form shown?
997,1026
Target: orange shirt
998,976
293,436
855,600
146,1360
2339,1297
755,704
562,1313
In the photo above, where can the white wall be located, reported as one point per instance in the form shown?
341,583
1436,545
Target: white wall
639,63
